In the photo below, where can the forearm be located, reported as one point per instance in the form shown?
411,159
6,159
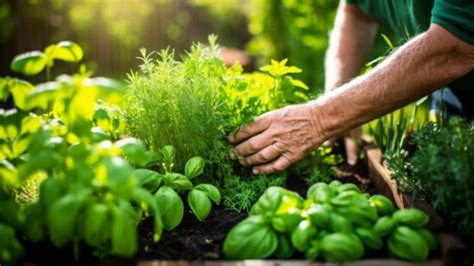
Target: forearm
419,67
350,43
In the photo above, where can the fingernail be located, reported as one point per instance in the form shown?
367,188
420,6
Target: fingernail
230,139
255,171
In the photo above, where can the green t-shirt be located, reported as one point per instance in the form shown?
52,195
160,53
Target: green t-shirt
407,18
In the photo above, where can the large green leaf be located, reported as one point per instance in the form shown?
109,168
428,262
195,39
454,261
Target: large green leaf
211,191
20,89
66,51
134,150
177,181
194,167
43,95
148,179
109,90
199,203
250,239
30,63
171,207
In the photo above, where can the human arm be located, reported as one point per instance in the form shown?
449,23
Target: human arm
427,62
350,43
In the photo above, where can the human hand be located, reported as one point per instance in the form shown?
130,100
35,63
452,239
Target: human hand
277,139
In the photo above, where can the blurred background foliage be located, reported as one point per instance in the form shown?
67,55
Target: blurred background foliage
112,31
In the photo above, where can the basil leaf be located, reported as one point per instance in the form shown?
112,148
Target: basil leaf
194,167
177,181
148,179
250,239
171,207
199,203
211,191
30,63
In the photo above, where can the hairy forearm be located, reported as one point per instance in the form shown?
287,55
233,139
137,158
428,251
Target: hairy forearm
424,64
350,43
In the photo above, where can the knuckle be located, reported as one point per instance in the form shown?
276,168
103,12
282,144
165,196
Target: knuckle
278,168
253,145
261,157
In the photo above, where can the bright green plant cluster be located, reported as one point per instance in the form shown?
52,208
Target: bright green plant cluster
390,132
252,94
181,103
318,166
240,193
296,30
441,170
78,178
193,103
168,184
336,222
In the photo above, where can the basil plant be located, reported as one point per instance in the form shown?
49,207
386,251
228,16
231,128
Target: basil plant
167,185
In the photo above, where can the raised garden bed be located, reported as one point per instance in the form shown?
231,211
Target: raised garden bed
200,243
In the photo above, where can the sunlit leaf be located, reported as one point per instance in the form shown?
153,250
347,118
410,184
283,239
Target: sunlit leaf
299,84
109,90
199,203
20,89
30,63
43,95
66,51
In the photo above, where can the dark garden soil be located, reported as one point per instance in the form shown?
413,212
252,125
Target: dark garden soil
191,240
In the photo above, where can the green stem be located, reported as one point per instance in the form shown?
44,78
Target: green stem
48,73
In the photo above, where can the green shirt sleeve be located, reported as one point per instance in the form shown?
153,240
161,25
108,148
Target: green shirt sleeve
456,16
352,2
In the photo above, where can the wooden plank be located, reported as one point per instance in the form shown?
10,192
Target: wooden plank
453,250
366,262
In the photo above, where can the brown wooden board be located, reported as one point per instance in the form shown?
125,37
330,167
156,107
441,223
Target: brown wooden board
371,262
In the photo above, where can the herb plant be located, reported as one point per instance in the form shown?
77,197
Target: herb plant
63,178
336,222
195,102
167,184
441,170
240,193
318,166
181,103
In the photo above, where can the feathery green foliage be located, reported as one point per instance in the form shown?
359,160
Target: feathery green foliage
181,103
441,169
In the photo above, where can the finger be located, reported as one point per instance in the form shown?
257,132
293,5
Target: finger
259,125
267,154
253,145
277,165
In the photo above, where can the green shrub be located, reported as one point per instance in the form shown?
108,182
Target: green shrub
242,192
193,103
181,103
441,169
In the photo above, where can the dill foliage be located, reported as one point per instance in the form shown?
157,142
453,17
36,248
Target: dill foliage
181,103
442,170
